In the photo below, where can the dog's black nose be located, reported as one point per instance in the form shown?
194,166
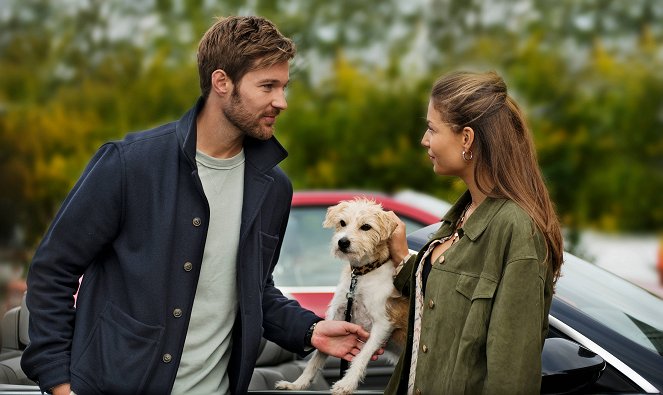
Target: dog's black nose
344,243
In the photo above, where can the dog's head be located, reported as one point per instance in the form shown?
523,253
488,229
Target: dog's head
361,230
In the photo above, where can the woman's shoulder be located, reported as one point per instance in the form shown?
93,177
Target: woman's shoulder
510,213
517,225
512,220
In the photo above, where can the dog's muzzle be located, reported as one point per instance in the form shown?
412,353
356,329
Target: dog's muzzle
344,244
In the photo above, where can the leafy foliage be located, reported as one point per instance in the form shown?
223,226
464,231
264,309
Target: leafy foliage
76,73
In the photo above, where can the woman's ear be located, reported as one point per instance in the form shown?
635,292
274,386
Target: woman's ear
468,137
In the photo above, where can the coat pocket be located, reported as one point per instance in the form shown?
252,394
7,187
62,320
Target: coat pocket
478,293
118,353
268,245
474,288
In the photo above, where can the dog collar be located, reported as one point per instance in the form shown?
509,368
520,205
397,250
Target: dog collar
359,271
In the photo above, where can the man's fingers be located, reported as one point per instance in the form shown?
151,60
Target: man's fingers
362,334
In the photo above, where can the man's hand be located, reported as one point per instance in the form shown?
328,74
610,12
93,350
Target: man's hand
340,339
62,389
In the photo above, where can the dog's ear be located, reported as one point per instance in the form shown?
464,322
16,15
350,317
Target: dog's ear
332,215
387,225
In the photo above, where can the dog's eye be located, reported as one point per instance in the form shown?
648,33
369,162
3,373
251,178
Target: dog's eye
342,223
366,227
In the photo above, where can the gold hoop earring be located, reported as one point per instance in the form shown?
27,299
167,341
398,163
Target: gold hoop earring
466,158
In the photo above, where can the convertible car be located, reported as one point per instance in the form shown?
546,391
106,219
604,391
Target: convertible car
606,336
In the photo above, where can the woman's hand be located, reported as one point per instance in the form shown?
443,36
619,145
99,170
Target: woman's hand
398,249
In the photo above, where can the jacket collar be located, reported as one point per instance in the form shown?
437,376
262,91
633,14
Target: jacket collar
478,221
261,154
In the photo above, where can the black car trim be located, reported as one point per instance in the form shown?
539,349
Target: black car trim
607,356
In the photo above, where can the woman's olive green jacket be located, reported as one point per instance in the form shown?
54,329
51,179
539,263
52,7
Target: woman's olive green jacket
485,312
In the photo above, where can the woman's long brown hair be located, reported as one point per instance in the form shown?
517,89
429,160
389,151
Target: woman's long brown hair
503,147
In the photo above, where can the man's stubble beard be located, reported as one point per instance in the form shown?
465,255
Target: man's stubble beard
247,123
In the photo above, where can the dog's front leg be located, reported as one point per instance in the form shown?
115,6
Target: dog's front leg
355,374
315,364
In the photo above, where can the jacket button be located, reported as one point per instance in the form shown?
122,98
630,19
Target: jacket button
431,304
197,221
177,313
188,266
167,358
418,391
424,348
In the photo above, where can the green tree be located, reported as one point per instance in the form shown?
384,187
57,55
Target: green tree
76,74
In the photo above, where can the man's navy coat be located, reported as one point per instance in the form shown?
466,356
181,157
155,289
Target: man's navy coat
135,226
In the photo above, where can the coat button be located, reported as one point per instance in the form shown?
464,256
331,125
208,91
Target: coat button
431,304
167,358
197,221
177,313
417,391
424,348
188,266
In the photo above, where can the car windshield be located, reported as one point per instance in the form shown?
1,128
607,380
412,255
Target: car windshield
625,308
306,259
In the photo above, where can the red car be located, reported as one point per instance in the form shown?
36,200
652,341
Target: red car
306,270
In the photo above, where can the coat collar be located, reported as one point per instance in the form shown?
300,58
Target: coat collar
478,221
263,155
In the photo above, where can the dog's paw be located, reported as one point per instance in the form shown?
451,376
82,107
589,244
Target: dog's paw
286,385
344,387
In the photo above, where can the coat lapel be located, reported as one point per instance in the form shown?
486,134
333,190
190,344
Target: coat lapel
256,185
261,157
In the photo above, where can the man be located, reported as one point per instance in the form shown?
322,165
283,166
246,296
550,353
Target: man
176,231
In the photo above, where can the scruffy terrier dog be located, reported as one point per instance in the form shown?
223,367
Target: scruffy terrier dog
362,230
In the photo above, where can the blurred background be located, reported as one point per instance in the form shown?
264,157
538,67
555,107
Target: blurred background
588,73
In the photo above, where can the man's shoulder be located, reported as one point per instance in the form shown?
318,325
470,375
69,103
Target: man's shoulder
164,131
148,146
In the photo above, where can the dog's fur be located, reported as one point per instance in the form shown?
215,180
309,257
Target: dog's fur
362,230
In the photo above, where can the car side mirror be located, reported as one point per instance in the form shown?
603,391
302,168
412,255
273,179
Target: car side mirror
568,367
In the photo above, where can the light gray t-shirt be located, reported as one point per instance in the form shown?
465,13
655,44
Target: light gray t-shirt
204,364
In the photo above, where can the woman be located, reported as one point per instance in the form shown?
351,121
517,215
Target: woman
480,289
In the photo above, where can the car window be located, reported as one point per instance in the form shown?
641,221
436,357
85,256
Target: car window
306,258
625,308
